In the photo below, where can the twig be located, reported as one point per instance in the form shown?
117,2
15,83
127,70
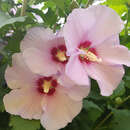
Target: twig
24,5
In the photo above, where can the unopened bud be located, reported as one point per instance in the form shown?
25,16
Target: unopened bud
118,100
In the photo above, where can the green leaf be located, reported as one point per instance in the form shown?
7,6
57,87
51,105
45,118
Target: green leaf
14,43
60,3
93,110
18,123
5,19
127,81
51,17
95,92
119,91
3,91
118,5
117,2
4,121
120,9
120,120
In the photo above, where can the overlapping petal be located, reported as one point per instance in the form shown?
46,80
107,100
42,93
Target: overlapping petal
60,111
78,24
25,102
95,24
36,37
39,62
37,50
76,72
73,90
108,76
19,75
115,54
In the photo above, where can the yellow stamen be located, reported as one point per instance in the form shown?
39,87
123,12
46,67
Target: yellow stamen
92,57
61,56
46,86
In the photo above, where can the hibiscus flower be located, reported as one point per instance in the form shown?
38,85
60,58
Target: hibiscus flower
54,99
92,40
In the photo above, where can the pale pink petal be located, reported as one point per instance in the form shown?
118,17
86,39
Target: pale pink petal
116,54
60,111
75,71
25,102
75,91
75,31
36,37
114,39
108,23
40,62
18,75
107,76
78,92
65,81
89,25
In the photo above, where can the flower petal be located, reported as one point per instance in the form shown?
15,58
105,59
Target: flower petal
116,54
65,81
39,62
60,111
79,22
75,91
19,76
78,92
114,39
25,102
90,25
107,76
76,72
36,37
108,23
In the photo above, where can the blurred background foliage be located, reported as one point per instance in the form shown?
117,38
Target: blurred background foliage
98,113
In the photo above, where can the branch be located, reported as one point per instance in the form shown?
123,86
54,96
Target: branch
23,10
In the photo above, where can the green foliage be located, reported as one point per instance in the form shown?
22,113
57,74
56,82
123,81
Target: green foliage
5,19
120,120
119,91
93,110
95,107
18,123
3,91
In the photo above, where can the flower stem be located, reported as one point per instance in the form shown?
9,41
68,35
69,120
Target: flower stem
24,5
110,114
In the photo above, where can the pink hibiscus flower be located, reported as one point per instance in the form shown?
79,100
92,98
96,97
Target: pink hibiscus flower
92,40
55,99
43,51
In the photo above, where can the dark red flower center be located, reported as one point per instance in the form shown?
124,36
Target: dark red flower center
89,54
46,85
59,54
